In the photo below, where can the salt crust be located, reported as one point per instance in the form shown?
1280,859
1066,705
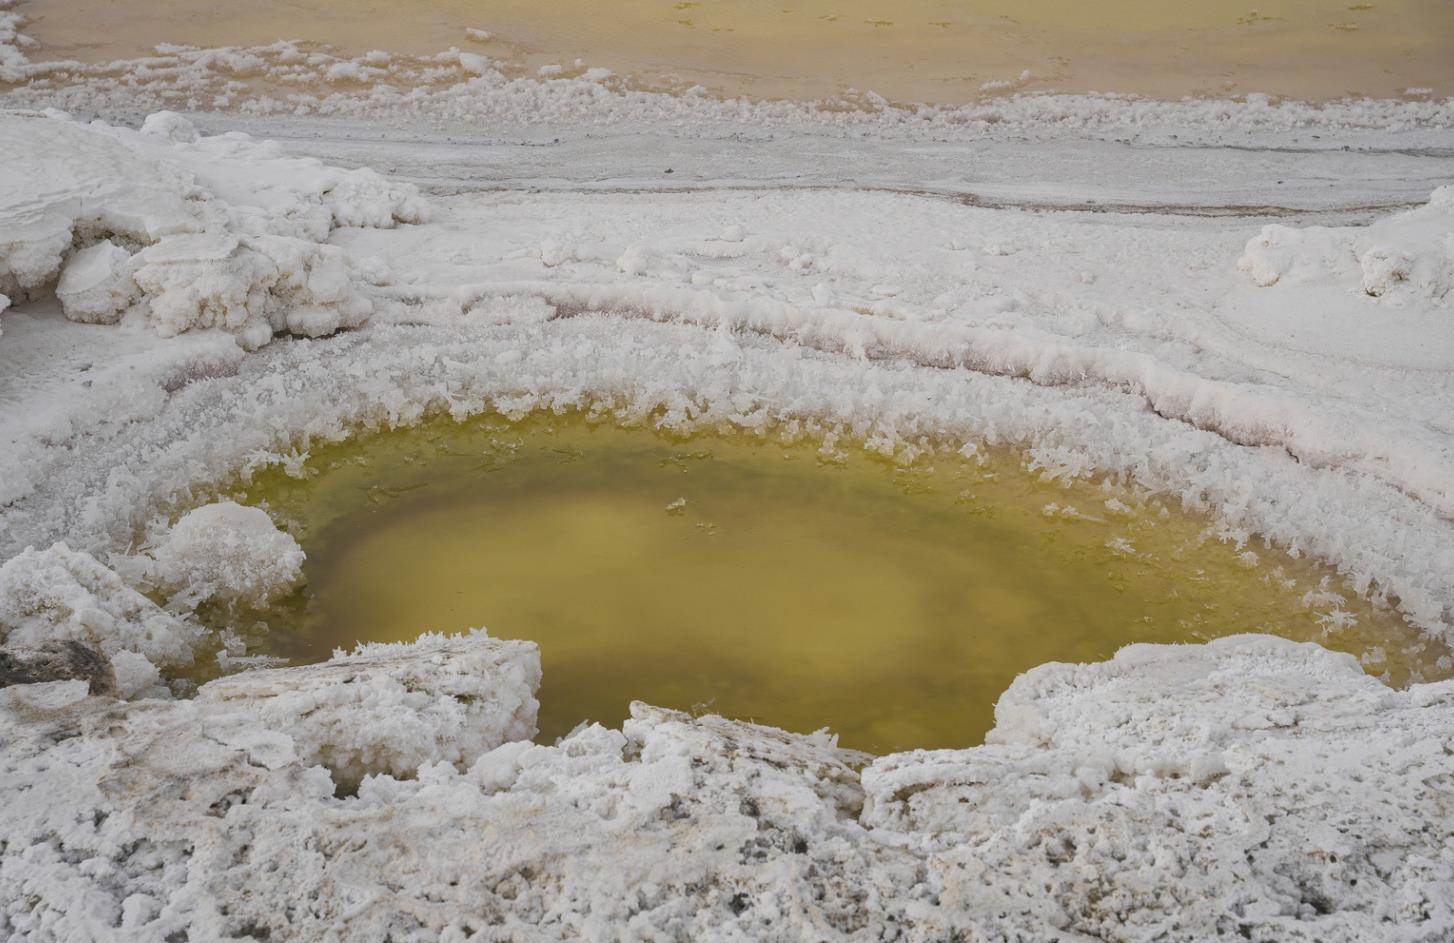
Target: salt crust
391,708
60,593
121,233
226,552
1251,788
790,326
1319,367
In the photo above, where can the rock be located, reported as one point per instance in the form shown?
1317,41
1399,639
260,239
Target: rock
64,660
389,708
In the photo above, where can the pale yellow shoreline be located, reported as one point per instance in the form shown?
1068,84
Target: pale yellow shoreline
933,51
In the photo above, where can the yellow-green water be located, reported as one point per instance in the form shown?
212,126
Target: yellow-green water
910,50
893,605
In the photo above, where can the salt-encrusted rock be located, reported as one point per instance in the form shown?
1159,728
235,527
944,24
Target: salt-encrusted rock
65,660
1251,787
392,708
136,676
365,199
96,284
252,286
62,180
227,552
64,594
1096,814
185,229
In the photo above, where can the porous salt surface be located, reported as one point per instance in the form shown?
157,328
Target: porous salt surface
227,552
1285,796
388,708
1289,381
166,246
60,593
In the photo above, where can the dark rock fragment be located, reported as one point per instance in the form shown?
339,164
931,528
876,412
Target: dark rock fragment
67,660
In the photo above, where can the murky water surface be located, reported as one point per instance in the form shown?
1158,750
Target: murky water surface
770,582
911,50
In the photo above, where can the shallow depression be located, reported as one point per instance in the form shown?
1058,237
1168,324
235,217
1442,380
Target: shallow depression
797,585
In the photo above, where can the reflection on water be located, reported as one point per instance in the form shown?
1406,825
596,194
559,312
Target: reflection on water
762,581
911,50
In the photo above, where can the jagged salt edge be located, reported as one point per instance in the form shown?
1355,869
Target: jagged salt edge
1375,560
99,492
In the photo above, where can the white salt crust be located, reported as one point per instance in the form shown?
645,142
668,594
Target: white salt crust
1251,788
1290,382
121,234
390,708
226,552
59,594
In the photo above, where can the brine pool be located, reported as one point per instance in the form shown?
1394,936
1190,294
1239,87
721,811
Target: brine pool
799,585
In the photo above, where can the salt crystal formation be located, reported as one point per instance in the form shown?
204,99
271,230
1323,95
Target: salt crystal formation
60,593
227,552
393,708
1290,383
126,234
1249,788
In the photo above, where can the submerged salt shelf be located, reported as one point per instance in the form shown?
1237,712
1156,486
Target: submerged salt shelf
776,582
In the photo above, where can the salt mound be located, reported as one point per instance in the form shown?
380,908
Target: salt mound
184,231
170,125
227,552
1407,258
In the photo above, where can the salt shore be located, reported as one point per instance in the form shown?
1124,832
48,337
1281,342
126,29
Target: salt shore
1247,789
182,308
